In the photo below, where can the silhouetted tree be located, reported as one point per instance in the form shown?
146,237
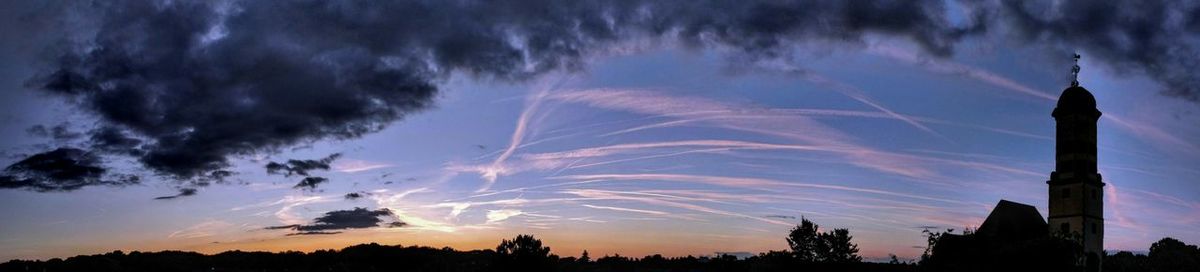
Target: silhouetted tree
1170,255
584,258
810,245
805,241
523,253
838,247
523,246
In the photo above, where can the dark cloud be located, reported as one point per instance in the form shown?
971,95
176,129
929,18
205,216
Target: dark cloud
1155,38
60,132
358,218
780,216
310,183
282,227
220,176
1194,20
217,176
38,130
62,169
182,193
159,70
301,167
113,140
201,81
347,219
353,196
313,233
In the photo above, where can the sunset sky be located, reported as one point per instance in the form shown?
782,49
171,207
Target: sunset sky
630,127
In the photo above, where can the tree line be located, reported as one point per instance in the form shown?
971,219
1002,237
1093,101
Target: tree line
810,249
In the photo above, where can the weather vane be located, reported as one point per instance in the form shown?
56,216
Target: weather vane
1075,72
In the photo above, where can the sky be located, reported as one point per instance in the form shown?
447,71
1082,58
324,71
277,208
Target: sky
627,127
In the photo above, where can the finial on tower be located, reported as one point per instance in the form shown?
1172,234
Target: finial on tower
1075,72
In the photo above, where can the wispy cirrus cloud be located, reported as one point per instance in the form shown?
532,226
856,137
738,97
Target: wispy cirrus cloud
598,207
1139,211
715,113
752,183
788,68
861,96
532,102
1160,138
495,216
355,166
288,203
783,112
944,66
660,201
1141,129
788,124
203,229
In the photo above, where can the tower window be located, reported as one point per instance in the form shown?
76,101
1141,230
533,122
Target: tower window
1065,227
1094,231
1066,192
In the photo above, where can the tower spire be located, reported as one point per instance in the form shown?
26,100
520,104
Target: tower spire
1075,72
1076,195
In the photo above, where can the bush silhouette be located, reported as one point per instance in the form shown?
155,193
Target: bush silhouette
584,258
969,252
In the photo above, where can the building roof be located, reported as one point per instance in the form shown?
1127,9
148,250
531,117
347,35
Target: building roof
1012,221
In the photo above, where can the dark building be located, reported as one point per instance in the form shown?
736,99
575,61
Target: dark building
1015,238
1011,221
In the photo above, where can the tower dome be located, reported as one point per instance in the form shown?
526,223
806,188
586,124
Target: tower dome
1076,99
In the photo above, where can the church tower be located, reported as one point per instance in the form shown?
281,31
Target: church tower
1076,188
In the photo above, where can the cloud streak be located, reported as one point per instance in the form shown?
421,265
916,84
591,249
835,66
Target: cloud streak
355,166
944,66
615,195
723,115
625,209
497,168
301,167
754,183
